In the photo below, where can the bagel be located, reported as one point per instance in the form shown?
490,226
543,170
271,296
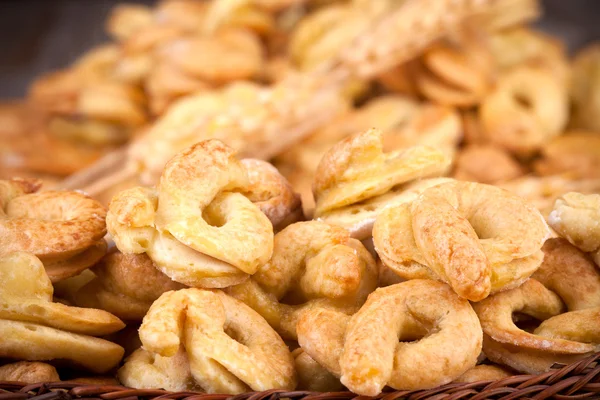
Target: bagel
578,325
318,38
125,19
238,56
86,105
386,112
403,123
179,69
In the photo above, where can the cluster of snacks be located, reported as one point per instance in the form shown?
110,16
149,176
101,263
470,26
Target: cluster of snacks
231,65
374,252
230,305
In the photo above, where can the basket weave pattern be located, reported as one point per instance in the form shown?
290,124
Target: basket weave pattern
580,380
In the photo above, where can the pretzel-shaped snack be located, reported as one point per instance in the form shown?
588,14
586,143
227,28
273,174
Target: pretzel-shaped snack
313,265
575,217
467,234
64,229
231,349
125,285
365,353
535,352
35,328
356,169
196,226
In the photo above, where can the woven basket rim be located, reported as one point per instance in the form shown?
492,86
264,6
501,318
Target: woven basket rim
579,380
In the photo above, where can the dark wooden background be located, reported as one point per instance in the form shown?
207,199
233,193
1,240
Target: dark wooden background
37,36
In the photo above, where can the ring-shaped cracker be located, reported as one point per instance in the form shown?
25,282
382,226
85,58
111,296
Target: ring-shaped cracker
478,238
196,225
364,349
528,107
505,343
64,229
313,265
231,349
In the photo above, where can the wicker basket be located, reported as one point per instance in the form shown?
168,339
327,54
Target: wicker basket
580,380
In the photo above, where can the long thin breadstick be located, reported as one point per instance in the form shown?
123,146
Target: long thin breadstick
100,186
112,162
403,34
